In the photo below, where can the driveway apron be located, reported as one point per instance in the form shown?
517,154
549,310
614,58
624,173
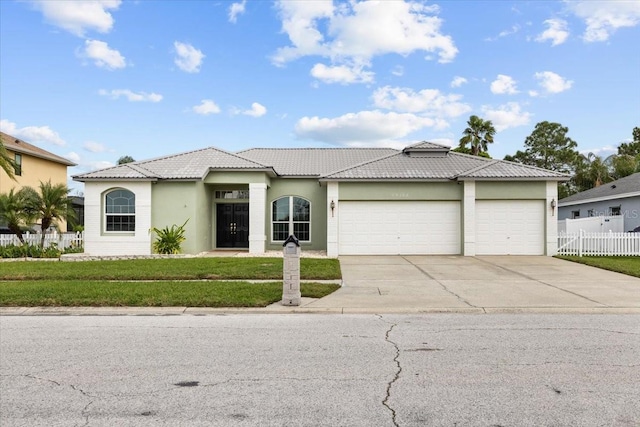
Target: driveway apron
409,284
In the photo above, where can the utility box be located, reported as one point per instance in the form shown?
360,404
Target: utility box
291,272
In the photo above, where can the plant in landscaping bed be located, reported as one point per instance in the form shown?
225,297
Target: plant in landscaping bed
29,251
169,240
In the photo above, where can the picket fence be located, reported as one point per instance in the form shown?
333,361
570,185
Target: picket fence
599,244
62,240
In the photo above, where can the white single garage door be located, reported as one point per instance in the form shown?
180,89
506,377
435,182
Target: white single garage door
510,227
393,228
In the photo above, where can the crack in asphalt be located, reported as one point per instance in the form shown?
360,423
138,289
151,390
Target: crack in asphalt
396,360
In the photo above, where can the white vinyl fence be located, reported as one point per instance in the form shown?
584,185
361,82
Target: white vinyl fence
63,240
599,244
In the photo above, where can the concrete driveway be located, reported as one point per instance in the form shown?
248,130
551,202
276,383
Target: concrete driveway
412,284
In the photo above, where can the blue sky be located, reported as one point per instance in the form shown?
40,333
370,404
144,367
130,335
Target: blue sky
96,80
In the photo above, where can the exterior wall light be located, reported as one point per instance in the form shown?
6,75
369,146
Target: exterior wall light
332,205
553,206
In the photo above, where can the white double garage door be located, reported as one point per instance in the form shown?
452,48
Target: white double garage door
502,227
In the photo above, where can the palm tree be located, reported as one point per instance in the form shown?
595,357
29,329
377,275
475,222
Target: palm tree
50,204
593,171
6,163
478,134
13,213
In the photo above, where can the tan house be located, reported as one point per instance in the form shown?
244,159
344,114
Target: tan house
33,165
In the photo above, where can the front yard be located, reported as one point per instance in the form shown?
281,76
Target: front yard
622,264
195,282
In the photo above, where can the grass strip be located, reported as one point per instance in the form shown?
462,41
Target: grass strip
48,293
169,269
626,265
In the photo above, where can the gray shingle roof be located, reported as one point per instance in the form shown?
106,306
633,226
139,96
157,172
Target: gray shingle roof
313,161
190,165
19,146
453,165
627,185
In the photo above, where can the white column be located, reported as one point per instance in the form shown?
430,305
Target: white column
551,219
469,218
332,219
257,215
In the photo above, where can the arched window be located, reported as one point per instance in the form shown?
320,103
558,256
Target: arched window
120,211
291,215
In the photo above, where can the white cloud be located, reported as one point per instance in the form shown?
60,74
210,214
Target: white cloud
398,71
603,18
506,116
94,147
206,107
603,152
341,74
557,32
79,16
188,59
514,29
102,55
552,82
32,134
364,128
236,9
504,85
73,156
352,33
458,81
257,110
130,95
427,102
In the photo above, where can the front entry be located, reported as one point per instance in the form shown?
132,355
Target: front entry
232,225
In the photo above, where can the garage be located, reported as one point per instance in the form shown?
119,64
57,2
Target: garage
399,228
510,227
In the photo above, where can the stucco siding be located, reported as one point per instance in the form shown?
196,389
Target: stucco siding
177,202
629,209
99,242
401,191
489,190
307,189
34,170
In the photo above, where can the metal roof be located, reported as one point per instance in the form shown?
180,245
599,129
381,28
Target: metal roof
190,165
313,161
616,189
327,164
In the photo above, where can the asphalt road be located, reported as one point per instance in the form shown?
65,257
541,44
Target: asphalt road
320,370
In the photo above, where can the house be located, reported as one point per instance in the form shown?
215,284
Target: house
424,199
33,164
621,197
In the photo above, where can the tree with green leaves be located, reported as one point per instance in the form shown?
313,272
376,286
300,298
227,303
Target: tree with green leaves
592,171
549,147
125,159
6,162
478,135
13,212
631,148
624,165
49,205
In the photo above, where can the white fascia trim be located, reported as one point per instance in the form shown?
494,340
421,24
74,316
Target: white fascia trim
599,199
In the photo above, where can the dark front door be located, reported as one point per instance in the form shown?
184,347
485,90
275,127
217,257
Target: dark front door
232,225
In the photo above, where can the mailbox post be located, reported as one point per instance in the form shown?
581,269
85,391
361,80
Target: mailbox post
291,272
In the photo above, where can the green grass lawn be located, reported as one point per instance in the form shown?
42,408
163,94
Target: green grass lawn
42,293
622,264
191,282
169,269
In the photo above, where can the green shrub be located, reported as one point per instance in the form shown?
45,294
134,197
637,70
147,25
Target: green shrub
29,251
169,240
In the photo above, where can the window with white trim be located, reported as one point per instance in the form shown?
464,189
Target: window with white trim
291,215
120,211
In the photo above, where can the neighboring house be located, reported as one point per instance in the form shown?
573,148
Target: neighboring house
33,165
77,204
621,197
424,199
